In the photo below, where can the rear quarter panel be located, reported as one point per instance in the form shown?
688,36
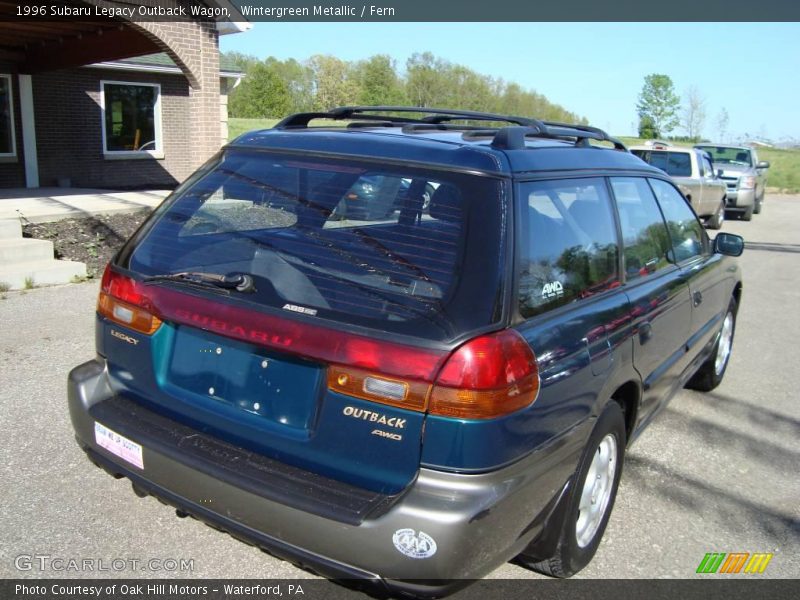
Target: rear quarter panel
584,352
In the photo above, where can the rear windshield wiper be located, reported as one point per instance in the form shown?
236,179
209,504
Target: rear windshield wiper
241,282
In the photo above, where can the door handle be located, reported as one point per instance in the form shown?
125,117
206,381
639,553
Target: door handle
697,298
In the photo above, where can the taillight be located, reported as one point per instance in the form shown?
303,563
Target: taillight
122,301
367,385
490,376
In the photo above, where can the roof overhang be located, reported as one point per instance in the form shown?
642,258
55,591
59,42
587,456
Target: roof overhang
121,66
236,24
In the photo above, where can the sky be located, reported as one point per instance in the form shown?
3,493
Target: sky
596,70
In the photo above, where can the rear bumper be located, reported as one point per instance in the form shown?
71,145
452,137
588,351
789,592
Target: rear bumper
476,521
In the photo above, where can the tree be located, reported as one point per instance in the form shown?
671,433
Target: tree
722,124
379,82
694,113
299,81
658,102
335,82
424,82
647,128
275,87
244,61
261,94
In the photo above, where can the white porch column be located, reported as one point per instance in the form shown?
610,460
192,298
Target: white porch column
28,131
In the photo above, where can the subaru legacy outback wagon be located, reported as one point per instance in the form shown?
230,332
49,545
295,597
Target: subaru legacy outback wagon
417,395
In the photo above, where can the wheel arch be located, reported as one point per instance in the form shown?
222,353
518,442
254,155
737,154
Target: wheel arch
628,396
737,294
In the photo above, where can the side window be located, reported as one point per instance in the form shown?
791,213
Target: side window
707,167
569,248
679,164
644,237
687,235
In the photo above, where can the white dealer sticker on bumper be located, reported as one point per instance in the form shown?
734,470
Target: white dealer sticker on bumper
116,444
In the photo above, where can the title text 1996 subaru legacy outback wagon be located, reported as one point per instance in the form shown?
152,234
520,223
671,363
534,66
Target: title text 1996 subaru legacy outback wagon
419,395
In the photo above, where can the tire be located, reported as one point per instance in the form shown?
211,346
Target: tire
582,529
715,222
757,205
747,215
426,198
711,372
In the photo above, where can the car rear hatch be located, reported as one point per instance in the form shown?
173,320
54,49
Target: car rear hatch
249,308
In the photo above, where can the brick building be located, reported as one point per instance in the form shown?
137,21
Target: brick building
112,103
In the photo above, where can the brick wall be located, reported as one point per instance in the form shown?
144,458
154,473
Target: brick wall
69,131
194,46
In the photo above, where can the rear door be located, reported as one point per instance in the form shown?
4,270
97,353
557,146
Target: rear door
713,188
701,267
657,290
569,282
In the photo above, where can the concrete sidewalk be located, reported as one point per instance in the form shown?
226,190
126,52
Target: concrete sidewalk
41,205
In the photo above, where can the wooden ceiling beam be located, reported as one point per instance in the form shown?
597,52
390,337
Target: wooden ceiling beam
11,55
113,44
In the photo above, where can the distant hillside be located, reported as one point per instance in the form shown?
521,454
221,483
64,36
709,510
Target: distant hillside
273,88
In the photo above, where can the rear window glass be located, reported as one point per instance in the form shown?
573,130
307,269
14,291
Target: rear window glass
569,243
675,164
729,156
395,248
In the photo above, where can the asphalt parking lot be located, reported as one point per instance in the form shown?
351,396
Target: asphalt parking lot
717,472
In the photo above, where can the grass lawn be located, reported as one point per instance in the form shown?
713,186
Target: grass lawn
784,165
237,127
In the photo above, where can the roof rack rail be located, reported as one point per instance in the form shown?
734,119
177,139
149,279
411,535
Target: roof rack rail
434,115
513,138
438,119
423,127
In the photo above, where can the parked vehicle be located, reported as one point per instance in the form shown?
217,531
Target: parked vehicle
692,171
411,401
373,198
743,173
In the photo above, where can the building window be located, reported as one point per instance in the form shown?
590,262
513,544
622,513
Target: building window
131,119
8,145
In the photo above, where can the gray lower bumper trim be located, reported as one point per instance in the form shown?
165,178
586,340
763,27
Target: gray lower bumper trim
244,469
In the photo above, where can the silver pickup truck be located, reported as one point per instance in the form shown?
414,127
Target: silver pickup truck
692,171
744,175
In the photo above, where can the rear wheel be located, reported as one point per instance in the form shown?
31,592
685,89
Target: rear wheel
591,499
710,374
